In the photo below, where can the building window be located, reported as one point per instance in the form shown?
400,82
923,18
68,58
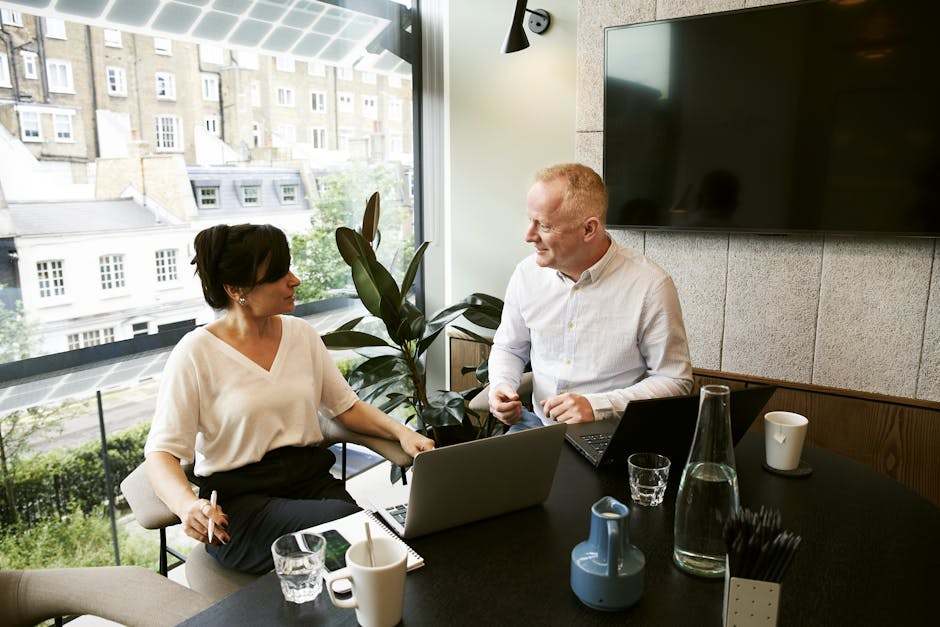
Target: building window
166,266
163,46
11,17
166,86
112,271
207,197
285,96
287,194
4,72
369,107
211,54
318,137
247,60
368,78
30,64
344,101
316,69
344,73
30,129
141,328
117,81
318,101
210,87
284,63
55,28
211,123
256,133
62,123
60,76
169,133
112,38
251,195
51,278
394,109
93,337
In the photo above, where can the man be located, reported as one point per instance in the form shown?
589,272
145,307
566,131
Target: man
600,323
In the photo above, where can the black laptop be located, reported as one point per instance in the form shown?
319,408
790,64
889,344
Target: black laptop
661,425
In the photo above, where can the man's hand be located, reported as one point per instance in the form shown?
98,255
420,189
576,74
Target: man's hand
505,404
569,408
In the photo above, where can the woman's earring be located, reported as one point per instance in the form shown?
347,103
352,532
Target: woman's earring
242,301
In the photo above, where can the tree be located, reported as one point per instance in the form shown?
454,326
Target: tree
315,257
16,431
16,332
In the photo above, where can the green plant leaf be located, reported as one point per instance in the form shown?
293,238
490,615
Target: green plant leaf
412,324
412,271
393,318
427,340
348,326
446,315
374,370
345,340
370,219
373,284
347,245
474,336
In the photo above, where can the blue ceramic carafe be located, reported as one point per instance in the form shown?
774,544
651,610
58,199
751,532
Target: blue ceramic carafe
606,570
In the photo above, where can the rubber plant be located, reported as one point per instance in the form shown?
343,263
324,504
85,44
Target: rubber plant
393,373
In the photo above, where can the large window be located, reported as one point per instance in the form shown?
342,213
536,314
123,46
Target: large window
166,265
168,133
111,175
51,278
112,271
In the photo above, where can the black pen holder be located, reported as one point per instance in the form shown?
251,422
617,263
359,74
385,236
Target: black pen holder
750,602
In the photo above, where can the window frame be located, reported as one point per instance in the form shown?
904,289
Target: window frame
118,86
168,80
30,64
161,133
26,128
285,97
166,265
69,136
208,196
112,37
54,284
163,46
53,78
111,275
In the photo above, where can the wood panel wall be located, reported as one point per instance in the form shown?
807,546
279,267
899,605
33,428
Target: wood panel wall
896,436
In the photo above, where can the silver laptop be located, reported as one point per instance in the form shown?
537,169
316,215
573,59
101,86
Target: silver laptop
462,483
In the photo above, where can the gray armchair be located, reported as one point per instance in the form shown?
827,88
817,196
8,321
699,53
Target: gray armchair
203,572
129,595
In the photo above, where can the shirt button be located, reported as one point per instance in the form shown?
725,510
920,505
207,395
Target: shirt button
567,362
571,325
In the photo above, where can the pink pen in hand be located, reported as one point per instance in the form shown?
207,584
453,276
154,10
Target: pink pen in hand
212,500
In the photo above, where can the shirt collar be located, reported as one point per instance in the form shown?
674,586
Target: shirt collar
595,272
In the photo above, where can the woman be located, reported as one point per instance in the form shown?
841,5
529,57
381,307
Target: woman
241,396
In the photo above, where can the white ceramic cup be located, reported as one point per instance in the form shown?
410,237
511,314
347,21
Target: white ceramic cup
378,591
784,433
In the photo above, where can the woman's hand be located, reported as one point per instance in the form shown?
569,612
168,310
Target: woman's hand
413,442
195,521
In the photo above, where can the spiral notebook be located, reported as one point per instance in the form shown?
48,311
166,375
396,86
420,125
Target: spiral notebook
341,533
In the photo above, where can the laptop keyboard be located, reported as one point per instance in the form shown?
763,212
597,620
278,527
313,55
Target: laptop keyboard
398,512
597,441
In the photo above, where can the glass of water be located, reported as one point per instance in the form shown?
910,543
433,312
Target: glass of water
298,560
649,473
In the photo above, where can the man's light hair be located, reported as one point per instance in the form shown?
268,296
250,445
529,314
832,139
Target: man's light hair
585,193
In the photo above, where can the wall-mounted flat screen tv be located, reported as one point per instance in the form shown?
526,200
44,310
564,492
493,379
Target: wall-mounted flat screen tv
819,116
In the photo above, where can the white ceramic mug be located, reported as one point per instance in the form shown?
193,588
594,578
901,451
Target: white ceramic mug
378,591
784,433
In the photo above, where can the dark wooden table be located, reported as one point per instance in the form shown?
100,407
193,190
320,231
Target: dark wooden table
870,556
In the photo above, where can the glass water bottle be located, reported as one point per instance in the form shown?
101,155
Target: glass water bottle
708,490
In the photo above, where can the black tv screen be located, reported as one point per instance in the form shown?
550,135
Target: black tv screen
818,116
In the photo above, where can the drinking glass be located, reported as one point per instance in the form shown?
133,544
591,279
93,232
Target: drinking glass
298,560
649,473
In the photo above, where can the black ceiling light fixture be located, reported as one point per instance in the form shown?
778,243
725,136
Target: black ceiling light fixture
539,22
